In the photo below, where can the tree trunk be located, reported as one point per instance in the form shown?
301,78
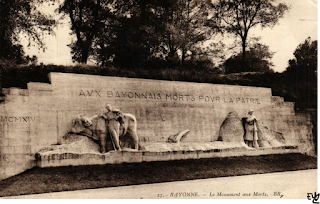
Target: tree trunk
243,50
84,53
183,58
84,57
244,62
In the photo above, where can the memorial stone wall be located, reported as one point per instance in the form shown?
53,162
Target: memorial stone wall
41,115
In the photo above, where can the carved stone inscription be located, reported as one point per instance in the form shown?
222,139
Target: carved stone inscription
12,119
168,97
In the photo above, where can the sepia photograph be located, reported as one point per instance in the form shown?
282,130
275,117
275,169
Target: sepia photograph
159,99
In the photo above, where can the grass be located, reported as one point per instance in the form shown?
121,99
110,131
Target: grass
57,179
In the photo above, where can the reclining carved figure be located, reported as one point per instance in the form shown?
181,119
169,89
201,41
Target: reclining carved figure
119,126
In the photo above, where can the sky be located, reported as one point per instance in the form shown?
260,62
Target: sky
299,23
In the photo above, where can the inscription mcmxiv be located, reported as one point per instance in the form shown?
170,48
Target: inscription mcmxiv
12,119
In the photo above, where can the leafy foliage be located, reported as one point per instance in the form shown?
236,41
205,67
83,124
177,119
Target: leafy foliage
137,32
142,33
304,66
88,19
302,70
21,17
184,29
134,36
257,60
239,16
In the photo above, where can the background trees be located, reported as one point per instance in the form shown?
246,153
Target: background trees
184,29
122,32
88,18
21,17
142,33
239,16
133,39
257,57
304,66
301,74
137,32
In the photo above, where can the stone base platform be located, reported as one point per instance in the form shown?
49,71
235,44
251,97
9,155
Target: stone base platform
73,155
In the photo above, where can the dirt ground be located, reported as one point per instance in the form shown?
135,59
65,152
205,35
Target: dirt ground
37,180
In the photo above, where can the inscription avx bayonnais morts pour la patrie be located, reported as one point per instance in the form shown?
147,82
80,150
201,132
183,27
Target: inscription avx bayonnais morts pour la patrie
167,96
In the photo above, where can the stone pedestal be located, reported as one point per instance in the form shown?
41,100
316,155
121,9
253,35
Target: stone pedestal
86,152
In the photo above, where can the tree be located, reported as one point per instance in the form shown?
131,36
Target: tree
239,16
147,32
301,74
258,60
185,27
109,30
131,33
21,17
133,37
88,18
304,65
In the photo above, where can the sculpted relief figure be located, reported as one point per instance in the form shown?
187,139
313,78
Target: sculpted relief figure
251,130
120,125
84,125
113,123
113,118
231,129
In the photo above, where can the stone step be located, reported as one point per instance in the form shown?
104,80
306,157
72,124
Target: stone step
115,157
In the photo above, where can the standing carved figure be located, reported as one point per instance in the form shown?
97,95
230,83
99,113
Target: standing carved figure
120,127
251,135
114,119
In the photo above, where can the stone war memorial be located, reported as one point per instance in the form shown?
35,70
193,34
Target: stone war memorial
94,120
